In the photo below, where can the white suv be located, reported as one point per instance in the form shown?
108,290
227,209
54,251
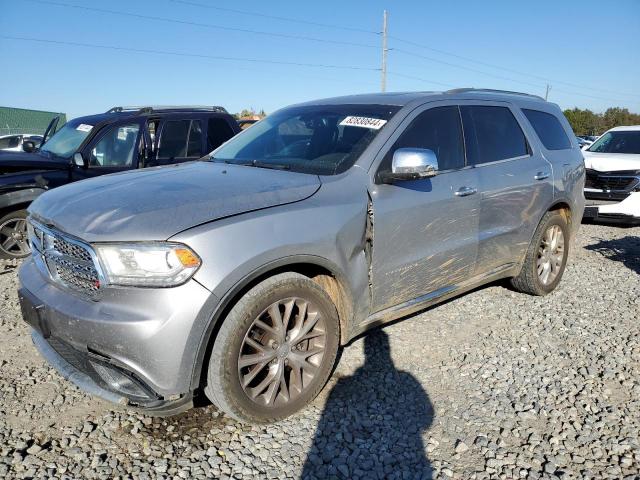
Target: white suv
13,143
612,187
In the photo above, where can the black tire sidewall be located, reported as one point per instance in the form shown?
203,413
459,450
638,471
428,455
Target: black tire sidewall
558,220
243,319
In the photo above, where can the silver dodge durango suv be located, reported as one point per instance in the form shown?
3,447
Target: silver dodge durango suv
239,276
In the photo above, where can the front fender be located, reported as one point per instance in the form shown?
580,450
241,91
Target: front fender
19,197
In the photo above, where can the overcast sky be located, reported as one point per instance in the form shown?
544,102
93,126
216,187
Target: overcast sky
80,61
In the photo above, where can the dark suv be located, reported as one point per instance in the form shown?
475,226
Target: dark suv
123,138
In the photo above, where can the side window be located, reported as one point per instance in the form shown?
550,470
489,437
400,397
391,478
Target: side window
9,142
116,148
173,140
218,132
548,129
194,144
491,134
437,129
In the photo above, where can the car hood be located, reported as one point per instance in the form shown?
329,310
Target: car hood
157,203
611,162
11,162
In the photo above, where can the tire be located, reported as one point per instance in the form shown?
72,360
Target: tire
242,332
13,235
530,280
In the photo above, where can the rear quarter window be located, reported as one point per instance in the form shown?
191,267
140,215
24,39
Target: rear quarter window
548,129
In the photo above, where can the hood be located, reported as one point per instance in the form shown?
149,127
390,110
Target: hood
157,203
611,162
11,162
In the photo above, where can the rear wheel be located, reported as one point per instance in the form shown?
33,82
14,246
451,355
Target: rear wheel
275,350
13,235
546,257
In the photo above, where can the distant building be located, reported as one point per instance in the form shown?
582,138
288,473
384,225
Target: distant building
21,120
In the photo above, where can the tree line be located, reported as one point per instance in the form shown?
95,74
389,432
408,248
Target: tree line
586,122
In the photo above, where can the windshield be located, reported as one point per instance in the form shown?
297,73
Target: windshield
320,139
65,142
618,142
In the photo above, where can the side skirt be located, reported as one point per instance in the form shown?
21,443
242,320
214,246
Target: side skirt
424,301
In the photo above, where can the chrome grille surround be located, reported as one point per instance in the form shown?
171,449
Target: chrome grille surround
69,262
623,181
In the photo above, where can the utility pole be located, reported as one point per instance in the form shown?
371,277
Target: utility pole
384,51
546,95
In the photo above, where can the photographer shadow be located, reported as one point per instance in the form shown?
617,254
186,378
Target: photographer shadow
372,423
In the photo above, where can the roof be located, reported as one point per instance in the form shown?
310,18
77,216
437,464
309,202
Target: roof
628,128
404,98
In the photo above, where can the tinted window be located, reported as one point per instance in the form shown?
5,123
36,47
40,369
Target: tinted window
618,142
116,148
218,132
437,129
549,130
491,134
173,143
194,147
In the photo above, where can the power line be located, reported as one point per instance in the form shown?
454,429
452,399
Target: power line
411,77
185,54
204,25
499,67
275,17
514,80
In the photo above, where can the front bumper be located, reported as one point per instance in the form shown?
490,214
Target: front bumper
133,347
625,211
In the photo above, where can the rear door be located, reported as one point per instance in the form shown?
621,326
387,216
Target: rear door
516,182
179,140
425,231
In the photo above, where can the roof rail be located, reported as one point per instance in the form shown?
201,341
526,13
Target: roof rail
162,108
489,90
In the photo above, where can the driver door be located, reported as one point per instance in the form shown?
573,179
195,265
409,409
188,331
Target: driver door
118,148
425,231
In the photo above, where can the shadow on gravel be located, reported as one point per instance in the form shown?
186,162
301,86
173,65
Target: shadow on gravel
373,422
625,250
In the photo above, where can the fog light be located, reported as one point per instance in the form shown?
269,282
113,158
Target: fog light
120,382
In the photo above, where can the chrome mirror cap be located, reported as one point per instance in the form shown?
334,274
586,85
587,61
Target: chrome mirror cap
412,164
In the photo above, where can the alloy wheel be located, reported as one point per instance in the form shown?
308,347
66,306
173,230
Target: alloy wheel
550,255
282,352
13,237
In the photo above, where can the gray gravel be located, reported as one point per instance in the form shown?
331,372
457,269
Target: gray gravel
494,384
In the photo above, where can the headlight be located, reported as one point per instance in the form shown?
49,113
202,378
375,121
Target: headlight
147,264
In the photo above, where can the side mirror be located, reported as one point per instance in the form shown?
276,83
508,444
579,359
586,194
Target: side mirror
29,146
411,164
79,160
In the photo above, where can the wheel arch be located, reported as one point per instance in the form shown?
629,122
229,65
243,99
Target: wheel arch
18,199
319,269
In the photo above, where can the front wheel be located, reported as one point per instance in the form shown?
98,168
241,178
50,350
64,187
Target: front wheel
275,350
546,257
13,235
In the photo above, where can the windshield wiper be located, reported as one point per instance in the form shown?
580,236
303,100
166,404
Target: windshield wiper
260,164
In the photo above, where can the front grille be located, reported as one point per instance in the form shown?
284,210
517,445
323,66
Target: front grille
610,181
69,262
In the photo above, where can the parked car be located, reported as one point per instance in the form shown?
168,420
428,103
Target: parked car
612,186
241,276
13,143
124,138
583,142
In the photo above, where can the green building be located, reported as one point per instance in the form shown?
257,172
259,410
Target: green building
20,120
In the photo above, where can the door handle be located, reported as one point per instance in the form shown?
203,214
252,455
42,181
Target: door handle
541,175
465,191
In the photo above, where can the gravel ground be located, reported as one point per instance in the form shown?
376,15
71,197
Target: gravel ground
494,384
